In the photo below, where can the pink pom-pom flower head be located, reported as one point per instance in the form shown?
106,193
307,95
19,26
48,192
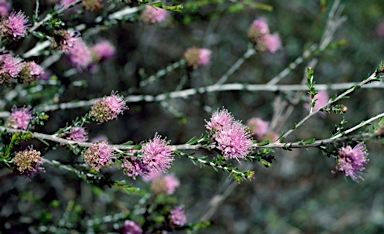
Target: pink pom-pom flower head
98,155
31,71
156,154
195,57
20,118
165,184
264,41
15,25
153,15
27,162
10,67
131,227
108,108
177,216
5,6
102,50
352,161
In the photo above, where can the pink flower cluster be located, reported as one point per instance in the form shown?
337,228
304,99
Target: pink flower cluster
27,162
177,216
259,34
108,108
352,161
20,118
156,156
153,15
98,155
102,50
131,227
261,130
79,54
77,134
165,184
233,138
13,67
195,57
14,26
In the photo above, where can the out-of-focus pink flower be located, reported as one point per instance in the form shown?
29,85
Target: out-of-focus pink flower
157,155
20,118
131,227
77,134
66,2
177,216
264,41
98,155
99,138
195,57
258,126
31,71
166,184
27,162
352,161
102,50
79,54
380,29
9,67
64,40
4,7
153,15
321,99
152,175
15,25
108,108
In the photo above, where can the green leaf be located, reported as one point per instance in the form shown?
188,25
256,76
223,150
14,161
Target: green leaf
310,141
266,142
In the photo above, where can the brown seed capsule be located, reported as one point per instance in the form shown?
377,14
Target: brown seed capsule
344,109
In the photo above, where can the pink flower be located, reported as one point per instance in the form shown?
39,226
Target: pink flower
166,184
108,108
352,161
99,138
66,2
64,40
9,67
27,162
258,126
380,29
177,216
153,15
4,7
152,175
98,155
272,42
103,50
157,155
195,56
259,34
79,54
234,141
321,99
16,24
20,118
133,167
218,120
261,25
30,72
77,134
131,227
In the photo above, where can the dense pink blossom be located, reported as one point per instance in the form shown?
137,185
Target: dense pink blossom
102,50
264,41
79,54
30,72
9,67
218,120
352,161
195,57
27,162
20,118
98,155
271,42
156,154
177,216
258,126
133,167
16,24
77,134
5,6
131,227
234,141
165,184
153,15
108,108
